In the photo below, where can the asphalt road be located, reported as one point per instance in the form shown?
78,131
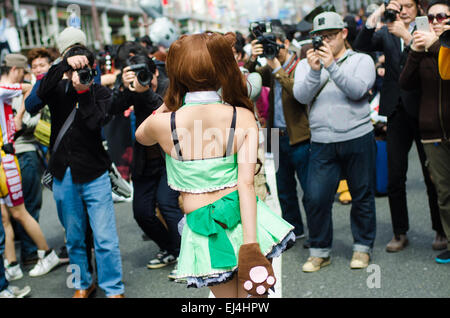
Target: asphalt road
410,273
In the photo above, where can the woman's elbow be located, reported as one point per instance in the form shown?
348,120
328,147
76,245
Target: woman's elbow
140,135
246,186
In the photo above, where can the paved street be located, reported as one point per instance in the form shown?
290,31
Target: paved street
410,273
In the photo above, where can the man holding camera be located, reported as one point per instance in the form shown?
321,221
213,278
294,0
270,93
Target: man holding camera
139,83
401,108
80,169
334,82
290,117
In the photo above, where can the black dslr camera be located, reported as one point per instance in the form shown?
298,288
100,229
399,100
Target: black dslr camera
143,74
389,14
86,75
317,42
261,30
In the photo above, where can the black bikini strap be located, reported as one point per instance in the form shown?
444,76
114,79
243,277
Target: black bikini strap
175,139
231,136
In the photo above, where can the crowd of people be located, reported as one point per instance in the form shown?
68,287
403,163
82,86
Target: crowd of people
139,105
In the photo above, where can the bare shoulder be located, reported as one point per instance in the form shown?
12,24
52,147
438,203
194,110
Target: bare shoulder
154,129
246,118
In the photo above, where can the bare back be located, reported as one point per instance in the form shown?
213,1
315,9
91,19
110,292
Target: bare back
203,132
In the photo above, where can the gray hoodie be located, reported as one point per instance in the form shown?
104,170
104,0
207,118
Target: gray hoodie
341,111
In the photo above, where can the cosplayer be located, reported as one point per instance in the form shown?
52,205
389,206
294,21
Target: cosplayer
227,226
12,201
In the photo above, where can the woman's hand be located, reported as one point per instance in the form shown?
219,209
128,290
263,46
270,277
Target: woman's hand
422,41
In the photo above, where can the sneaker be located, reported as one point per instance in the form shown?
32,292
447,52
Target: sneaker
45,264
163,258
13,271
443,258
359,260
63,255
313,264
173,274
15,292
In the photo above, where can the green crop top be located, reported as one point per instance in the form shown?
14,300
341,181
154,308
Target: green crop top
202,175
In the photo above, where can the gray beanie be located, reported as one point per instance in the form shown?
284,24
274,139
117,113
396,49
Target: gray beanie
68,37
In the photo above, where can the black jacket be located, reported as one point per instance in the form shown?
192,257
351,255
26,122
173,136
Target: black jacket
391,94
81,148
146,160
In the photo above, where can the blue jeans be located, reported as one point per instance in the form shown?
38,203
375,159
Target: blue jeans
3,281
291,160
355,160
31,171
72,200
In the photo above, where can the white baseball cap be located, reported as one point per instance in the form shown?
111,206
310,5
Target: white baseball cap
68,37
327,21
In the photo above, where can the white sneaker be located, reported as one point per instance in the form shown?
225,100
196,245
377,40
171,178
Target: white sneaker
13,272
45,263
15,292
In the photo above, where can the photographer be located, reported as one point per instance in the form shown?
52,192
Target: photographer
421,72
139,83
334,82
290,117
80,169
401,108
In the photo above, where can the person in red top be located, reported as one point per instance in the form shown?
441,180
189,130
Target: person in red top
12,201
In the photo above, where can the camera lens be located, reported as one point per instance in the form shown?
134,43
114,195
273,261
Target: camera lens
390,16
85,75
144,77
317,42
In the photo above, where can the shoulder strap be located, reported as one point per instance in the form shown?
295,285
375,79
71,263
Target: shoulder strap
231,136
64,128
175,139
350,53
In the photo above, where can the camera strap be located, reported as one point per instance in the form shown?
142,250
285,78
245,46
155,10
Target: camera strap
328,79
64,128
292,64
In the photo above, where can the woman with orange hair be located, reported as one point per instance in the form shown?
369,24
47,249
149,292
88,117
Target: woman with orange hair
210,143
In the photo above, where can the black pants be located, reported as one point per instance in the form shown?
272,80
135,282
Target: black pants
402,130
149,191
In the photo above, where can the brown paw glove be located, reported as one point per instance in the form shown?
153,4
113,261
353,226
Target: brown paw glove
255,272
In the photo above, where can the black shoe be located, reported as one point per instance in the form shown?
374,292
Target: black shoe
63,255
306,244
162,259
443,258
30,259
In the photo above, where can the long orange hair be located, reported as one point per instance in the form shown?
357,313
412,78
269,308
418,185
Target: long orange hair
204,62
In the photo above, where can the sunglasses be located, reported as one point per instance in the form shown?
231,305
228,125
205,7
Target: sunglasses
440,17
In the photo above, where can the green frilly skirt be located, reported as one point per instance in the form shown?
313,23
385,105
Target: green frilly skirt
212,236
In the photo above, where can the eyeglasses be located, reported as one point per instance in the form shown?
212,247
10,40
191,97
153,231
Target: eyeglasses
330,36
440,17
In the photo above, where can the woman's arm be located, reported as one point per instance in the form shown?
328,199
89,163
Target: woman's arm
146,134
247,157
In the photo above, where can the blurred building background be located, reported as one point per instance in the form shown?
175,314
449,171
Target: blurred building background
113,21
